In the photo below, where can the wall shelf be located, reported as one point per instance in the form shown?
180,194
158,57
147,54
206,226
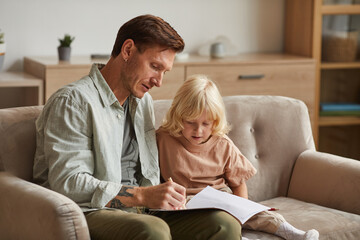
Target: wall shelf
340,9
340,65
335,81
338,121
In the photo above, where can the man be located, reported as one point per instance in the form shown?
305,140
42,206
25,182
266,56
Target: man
96,144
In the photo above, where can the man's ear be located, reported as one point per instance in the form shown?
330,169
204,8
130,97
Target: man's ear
127,49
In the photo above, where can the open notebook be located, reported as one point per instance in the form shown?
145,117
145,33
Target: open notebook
210,198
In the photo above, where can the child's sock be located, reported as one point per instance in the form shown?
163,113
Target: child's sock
289,232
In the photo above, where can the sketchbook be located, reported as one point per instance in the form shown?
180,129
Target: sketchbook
210,198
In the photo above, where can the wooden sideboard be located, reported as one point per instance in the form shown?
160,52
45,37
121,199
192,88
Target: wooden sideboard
57,73
245,74
20,89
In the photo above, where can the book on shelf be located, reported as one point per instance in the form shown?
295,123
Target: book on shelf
339,107
210,198
339,113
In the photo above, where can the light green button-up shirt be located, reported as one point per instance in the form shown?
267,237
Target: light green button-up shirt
79,141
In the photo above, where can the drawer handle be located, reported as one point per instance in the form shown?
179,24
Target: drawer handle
255,76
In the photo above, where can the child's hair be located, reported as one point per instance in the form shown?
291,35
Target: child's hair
197,94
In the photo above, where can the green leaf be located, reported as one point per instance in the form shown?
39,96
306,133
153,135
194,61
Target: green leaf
66,41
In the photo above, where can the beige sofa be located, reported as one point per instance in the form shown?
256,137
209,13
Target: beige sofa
311,189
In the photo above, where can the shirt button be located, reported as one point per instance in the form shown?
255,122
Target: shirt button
252,130
256,156
119,116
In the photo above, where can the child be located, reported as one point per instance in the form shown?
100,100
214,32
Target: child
195,152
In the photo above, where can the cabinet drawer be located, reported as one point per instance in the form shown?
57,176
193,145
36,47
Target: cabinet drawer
171,82
290,80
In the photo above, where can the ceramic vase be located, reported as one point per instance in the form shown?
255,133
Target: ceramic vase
217,50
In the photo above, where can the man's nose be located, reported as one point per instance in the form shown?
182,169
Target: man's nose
157,80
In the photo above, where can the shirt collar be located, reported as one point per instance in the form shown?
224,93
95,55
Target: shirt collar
106,94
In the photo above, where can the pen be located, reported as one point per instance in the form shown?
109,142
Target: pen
273,209
183,206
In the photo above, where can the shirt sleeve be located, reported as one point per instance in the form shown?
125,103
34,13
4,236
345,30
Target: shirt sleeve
68,148
238,167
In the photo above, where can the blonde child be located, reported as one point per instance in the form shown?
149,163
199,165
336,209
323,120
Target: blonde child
195,152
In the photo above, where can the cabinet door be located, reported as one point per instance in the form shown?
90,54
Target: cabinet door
291,80
59,77
171,82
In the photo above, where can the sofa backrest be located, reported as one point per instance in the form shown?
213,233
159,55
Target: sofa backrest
271,131
18,140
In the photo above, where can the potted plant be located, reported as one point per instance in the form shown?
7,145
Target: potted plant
2,49
64,49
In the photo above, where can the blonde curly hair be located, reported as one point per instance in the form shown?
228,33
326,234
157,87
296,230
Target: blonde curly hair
197,94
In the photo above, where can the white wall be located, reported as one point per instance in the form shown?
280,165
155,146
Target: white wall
32,27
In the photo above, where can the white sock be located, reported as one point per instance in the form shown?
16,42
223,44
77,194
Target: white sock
289,232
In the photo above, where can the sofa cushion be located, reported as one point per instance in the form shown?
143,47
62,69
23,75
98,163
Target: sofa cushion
331,223
17,148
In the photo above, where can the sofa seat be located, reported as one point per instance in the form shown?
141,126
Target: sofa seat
331,223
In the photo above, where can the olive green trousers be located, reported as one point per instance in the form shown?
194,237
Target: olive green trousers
196,224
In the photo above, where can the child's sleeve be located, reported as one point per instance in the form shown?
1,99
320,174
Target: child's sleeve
238,168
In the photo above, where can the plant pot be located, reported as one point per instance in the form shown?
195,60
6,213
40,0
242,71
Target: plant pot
2,54
64,53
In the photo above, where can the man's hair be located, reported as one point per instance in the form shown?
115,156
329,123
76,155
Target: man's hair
196,95
148,31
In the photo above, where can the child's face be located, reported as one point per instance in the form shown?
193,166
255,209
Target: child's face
198,131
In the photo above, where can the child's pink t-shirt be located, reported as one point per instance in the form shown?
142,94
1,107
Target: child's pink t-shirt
217,163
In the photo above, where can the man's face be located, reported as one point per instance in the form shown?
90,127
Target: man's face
144,70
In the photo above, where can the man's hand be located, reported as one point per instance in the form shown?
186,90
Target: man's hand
168,195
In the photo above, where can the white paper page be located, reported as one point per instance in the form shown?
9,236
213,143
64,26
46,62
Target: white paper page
241,208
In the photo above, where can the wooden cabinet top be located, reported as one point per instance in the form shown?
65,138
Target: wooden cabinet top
15,79
53,61
246,58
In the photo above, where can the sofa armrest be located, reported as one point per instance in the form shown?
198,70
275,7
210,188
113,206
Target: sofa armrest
327,180
29,211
